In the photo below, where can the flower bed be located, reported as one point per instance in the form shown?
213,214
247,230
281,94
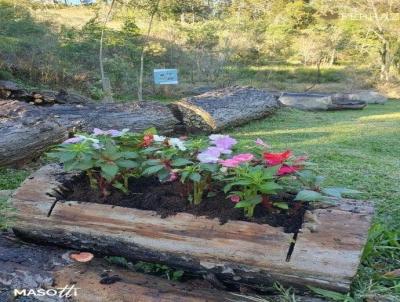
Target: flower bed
222,211
202,169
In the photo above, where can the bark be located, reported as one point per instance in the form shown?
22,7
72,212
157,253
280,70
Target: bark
27,130
219,109
325,254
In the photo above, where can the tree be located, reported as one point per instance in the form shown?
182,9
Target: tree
152,8
104,80
379,17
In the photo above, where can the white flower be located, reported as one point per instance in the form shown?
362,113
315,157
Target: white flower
159,138
177,143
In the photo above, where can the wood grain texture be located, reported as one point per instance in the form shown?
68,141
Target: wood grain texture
237,252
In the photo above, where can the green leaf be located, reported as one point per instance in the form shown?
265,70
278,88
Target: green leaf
338,192
308,195
83,165
269,187
269,173
121,187
163,175
128,164
66,156
196,177
331,294
319,180
249,202
179,162
256,199
109,170
129,154
151,130
243,204
229,186
69,165
184,176
153,169
209,167
281,205
152,162
177,275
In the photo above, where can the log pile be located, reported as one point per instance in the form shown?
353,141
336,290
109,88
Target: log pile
219,109
11,90
33,121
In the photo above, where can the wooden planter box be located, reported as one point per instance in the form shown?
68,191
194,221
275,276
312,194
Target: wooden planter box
326,253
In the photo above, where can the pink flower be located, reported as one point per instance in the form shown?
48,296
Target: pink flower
244,157
229,163
173,176
284,170
235,198
73,140
224,142
236,160
260,142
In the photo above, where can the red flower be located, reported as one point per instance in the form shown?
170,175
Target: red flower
147,140
274,159
284,170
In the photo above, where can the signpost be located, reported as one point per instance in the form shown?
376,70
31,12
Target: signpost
165,76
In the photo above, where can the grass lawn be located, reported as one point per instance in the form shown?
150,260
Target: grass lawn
356,149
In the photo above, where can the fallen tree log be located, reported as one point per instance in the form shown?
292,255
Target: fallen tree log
367,96
222,108
306,101
326,252
347,105
27,130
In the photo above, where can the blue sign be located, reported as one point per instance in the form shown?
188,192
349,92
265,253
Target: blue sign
166,76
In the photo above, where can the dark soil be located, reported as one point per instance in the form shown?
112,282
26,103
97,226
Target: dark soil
171,198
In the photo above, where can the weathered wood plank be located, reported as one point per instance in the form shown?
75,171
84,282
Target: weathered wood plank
237,252
329,247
